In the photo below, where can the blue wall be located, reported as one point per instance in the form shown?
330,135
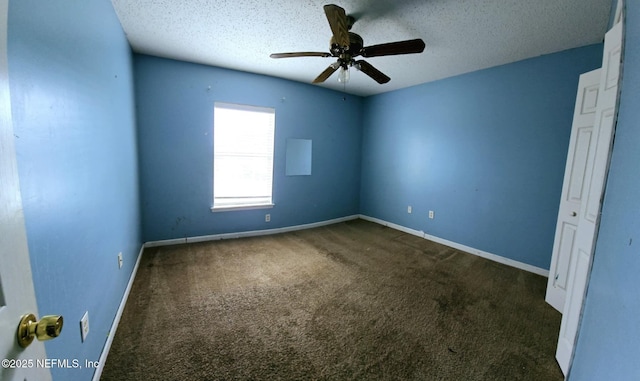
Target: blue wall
175,125
486,151
608,346
70,70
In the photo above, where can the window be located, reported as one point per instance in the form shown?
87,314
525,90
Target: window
242,156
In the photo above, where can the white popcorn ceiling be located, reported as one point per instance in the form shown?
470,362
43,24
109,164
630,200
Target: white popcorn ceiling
461,35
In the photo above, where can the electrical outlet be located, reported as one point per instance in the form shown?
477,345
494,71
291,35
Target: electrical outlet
409,209
84,326
431,214
267,218
120,260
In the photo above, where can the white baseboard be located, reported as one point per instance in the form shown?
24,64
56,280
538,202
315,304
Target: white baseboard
404,229
252,233
116,320
466,249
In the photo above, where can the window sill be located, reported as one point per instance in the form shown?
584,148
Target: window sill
216,209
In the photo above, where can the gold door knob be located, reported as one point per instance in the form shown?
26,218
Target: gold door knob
49,327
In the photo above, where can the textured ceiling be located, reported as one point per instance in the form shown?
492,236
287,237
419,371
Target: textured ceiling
461,35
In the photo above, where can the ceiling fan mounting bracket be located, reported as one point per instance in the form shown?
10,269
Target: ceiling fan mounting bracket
350,21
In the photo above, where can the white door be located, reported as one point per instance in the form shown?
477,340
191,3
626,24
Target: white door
17,296
593,190
574,174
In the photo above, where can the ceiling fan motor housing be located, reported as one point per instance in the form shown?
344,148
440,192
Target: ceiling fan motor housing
355,46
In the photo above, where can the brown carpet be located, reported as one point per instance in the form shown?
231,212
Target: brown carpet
350,301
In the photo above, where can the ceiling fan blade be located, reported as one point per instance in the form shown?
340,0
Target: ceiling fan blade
300,54
326,73
393,48
372,72
338,22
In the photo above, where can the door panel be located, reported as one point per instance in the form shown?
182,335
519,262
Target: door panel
600,163
590,98
579,164
17,296
567,241
572,187
613,69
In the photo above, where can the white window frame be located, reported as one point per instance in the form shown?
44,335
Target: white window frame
244,199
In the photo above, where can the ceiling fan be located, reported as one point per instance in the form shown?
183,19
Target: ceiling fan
346,45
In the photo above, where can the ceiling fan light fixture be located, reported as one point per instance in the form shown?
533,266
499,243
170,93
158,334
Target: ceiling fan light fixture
343,75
